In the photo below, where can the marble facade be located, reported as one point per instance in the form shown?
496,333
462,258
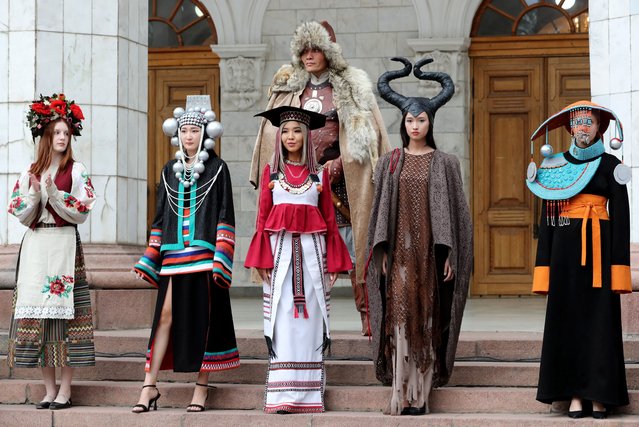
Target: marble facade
96,53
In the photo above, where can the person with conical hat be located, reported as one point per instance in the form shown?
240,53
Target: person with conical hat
420,251
298,252
319,79
583,261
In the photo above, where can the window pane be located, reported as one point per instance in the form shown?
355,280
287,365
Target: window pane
185,15
197,35
164,7
543,20
581,23
572,6
161,35
511,7
494,24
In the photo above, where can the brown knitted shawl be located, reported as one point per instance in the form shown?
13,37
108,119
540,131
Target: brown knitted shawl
451,227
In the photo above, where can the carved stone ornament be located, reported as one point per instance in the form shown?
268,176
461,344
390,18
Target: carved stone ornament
447,62
241,79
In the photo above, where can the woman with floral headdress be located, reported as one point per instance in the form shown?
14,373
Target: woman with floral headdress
296,242
190,259
420,246
583,262
52,323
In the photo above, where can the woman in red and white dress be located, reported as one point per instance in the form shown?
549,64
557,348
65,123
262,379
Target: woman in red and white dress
298,253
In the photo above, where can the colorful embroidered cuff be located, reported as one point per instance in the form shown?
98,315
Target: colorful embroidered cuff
148,266
73,203
621,281
541,280
155,239
223,258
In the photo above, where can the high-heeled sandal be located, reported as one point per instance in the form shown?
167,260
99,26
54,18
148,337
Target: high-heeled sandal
195,407
153,401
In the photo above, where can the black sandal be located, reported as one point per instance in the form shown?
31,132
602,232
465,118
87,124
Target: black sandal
153,401
194,407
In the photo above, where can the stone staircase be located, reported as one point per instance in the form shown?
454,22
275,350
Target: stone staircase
493,383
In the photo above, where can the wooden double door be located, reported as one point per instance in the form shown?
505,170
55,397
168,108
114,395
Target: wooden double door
174,74
511,98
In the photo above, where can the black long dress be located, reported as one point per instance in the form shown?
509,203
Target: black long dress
202,332
582,353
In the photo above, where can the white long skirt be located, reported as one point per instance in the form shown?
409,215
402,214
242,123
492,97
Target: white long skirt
296,377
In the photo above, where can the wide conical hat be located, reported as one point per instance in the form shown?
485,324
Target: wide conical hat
562,118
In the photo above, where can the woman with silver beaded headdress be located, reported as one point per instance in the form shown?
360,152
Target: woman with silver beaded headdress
190,258
420,251
583,261
296,243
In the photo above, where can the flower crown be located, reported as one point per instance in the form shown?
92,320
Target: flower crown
49,108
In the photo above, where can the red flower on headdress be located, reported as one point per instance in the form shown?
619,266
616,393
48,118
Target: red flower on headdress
59,107
76,111
40,108
61,96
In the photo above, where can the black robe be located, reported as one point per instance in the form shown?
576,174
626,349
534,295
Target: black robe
582,353
202,331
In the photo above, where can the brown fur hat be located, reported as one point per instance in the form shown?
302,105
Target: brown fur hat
312,34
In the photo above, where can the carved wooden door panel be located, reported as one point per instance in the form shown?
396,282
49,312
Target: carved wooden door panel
173,76
568,82
508,105
512,96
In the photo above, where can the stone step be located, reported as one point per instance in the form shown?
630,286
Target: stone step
486,400
251,344
473,346
338,372
249,372
18,415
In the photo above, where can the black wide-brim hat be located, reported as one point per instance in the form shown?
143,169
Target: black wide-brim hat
280,115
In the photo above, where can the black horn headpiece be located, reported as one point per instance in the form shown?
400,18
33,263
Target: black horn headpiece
416,105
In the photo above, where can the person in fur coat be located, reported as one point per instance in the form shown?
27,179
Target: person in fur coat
320,80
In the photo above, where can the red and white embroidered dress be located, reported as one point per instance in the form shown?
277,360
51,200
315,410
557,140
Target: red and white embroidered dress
297,236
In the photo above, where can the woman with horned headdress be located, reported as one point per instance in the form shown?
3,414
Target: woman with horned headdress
420,251
190,258
583,262
296,243
52,323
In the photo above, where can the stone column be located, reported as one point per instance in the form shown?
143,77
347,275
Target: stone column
95,53
241,74
614,82
452,134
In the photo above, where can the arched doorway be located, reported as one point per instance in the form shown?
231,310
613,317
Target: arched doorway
181,63
529,58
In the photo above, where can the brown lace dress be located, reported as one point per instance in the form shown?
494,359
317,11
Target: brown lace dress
412,290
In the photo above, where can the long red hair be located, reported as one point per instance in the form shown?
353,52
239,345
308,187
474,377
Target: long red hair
45,150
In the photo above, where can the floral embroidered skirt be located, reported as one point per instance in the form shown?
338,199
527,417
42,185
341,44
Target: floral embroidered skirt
56,342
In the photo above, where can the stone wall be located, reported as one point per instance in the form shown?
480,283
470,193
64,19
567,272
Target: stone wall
614,79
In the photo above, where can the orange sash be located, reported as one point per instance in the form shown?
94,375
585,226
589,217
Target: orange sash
594,207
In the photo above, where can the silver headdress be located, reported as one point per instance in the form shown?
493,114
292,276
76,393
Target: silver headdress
198,113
